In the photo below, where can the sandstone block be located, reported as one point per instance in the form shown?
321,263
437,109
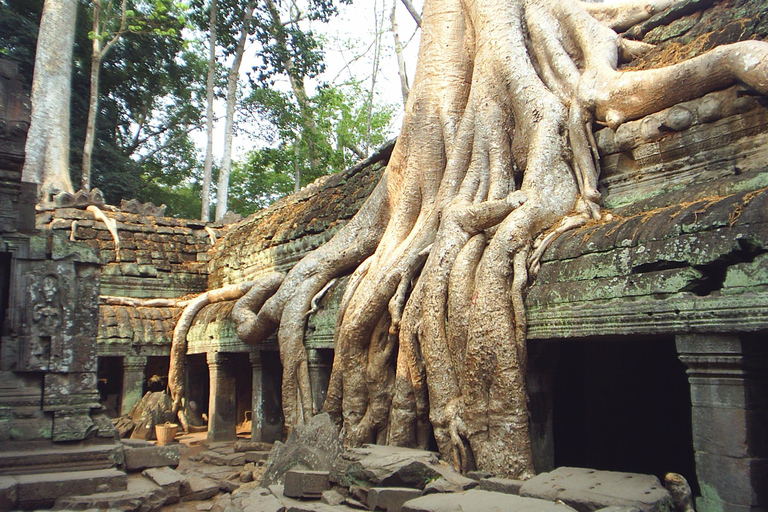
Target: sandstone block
502,485
140,458
306,484
480,501
390,499
588,489
256,456
198,489
169,481
42,490
8,493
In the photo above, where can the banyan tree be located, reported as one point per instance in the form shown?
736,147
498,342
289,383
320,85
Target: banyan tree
496,158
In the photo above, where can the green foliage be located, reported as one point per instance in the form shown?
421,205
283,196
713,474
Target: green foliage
340,115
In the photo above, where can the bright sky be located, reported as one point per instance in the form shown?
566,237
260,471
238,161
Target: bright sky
350,53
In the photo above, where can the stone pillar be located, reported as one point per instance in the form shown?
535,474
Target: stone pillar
133,381
257,408
728,375
319,376
222,403
542,364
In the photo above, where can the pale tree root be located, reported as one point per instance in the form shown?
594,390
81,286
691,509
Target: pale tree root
179,343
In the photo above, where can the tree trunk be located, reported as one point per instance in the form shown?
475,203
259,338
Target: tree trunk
222,189
93,101
496,157
207,171
401,72
47,150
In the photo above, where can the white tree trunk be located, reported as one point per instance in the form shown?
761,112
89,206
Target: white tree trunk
47,150
206,210
229,126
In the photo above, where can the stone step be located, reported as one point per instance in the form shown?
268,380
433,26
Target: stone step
42,490
140,495
49,458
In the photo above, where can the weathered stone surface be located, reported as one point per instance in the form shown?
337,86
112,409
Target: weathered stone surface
502,485
312,447
198,488
258,502
332,497
480,501
306,484
8,493
246,445
588,489
57,458
168,480
143,457
140,495
43,490
479,475
390,499
449,481
389,466
256,456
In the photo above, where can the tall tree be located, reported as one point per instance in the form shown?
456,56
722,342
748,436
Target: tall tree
229,124
209,98
496,150
47,150
110,23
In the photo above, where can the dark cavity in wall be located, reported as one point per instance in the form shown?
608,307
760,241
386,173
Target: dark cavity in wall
273,402
110,384
623,405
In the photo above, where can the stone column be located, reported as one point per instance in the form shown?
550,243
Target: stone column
257,408
728,375
319,376
222,405
133,381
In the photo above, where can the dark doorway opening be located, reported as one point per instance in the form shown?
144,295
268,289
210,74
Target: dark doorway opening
198,382
110,384
273,401
244,392
156,373
623,405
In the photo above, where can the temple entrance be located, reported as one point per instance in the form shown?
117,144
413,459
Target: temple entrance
110,384
623,405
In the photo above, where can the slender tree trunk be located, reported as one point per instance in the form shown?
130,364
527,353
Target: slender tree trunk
401,72
412,10
47,150
207,171
222,190
93,101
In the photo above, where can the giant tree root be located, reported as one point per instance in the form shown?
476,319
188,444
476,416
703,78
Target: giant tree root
496,151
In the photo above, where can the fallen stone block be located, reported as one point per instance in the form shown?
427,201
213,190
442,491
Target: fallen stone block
390,466
587,489
138,458
255,456
140,495
480,501
262,503
169,481
306,484
390,499
8,493
244,445
198,489
450,480
479,474
332,497
502,485
42,490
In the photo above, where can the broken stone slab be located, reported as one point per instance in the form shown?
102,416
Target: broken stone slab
245,445
8,493
259,500
332,497
479,474
306,484
587,489
450,480
476,500
502,485
140,457
141,495
169,480
198,489
42,490
390,466
390,499
255,456
314,447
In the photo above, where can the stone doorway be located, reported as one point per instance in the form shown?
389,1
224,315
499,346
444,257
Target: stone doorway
623,405
110,384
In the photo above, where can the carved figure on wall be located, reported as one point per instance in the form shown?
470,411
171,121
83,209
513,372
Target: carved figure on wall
46,306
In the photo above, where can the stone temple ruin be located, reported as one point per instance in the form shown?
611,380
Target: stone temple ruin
647,334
